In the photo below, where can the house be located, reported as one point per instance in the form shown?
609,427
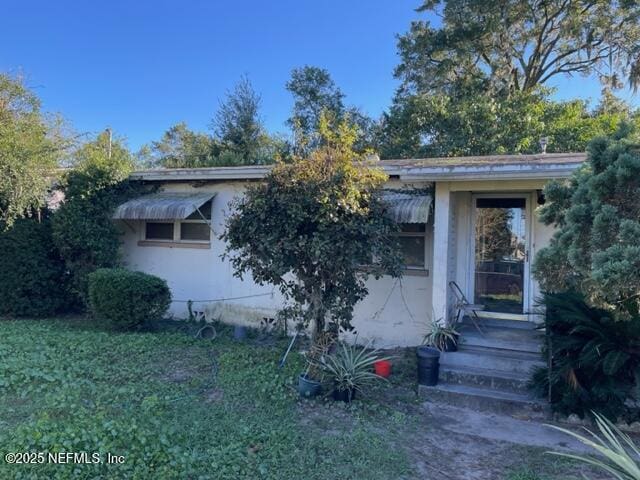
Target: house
467,220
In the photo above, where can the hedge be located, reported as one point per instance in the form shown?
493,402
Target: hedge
32,274
124,299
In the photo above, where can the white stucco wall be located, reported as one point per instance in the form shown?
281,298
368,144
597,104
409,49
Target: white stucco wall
394,314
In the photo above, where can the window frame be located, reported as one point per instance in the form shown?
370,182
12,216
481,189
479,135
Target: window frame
177,240
413,269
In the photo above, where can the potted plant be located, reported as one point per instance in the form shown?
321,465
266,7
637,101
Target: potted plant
310,381
441,336
350,370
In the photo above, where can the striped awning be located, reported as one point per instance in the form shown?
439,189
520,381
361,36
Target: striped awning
162,206
408,207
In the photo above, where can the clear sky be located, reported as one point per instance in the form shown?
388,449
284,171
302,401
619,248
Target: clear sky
140,66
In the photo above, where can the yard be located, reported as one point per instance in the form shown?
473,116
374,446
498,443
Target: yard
178,407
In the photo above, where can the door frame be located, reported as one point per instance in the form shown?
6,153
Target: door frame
471,261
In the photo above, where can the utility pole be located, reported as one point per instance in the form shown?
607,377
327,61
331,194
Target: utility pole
110,139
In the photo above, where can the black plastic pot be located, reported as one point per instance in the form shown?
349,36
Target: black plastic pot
307,387
344,395
428,365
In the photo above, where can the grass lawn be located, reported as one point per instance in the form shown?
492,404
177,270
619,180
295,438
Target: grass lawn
177,407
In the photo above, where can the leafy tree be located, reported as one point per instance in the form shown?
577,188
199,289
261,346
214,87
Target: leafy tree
309,228
520,45
314,92
180,147
30,147
316,95
83,230
595,249
468,123
237,123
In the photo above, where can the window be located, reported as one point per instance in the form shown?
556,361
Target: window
192,231
159,231
195,231
412,238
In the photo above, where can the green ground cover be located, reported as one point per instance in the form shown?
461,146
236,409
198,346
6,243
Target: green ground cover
178,407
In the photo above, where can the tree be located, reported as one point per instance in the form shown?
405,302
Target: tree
83,230
180,147
595,249
315,94
30,147
237,123
310,227
520,45
469,123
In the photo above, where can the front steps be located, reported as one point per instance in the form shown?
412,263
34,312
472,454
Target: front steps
491,369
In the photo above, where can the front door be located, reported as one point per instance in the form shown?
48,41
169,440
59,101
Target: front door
501,253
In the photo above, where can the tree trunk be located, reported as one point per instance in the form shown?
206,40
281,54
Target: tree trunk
317,313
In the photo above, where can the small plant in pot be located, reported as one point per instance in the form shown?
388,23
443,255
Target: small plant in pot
310,381
350,369
441,336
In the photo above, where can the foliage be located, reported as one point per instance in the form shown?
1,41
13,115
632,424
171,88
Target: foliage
595,248
439,335
83,230
125,299
237,123
519,45
310,227
318,99
176,408
350,368
468,121
32,282
179,147
30,148
621,455
239,138
595,359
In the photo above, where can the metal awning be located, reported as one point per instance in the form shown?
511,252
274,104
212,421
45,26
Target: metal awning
162,206
408,207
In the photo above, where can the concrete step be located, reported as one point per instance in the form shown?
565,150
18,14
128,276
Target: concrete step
500,323
485,400
485,378
493,359
516,339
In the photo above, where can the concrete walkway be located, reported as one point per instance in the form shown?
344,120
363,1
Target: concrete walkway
504,428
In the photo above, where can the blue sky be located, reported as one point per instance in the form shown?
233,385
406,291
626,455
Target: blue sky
141,66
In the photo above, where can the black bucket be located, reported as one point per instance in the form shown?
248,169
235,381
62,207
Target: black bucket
428,365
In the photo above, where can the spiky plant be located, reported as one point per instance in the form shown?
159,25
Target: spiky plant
621,457
439,335
351,367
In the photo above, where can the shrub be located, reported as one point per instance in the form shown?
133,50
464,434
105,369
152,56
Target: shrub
83,230
32,275
126,299
595,358
595,248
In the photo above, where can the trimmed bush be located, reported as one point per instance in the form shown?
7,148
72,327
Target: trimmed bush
32,274
125,299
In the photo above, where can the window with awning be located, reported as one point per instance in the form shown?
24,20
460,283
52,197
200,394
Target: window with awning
411,210
170,218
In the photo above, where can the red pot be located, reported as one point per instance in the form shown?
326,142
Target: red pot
382,368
